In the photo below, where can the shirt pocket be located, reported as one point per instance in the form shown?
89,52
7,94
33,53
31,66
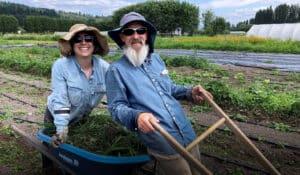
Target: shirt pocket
75,95
98,94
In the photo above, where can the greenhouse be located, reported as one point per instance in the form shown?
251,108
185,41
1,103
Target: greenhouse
276,31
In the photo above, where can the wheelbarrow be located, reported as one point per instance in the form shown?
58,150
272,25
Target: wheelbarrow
184,151
73,160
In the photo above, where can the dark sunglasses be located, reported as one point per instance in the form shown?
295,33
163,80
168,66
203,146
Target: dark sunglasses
138,30
86,38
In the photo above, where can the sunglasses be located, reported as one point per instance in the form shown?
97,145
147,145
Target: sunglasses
86,38
138,30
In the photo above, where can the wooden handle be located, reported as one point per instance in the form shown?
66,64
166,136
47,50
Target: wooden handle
264,161
181,150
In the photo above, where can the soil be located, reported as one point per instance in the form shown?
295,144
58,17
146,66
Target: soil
24,97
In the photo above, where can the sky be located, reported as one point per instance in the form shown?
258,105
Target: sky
233,11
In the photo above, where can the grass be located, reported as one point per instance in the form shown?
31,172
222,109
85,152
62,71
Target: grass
229,43
15,155
221,42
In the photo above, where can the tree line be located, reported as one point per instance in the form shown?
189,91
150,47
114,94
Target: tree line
38,20
167,16
281,14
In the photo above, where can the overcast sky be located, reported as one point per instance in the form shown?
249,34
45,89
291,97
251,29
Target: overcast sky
233,11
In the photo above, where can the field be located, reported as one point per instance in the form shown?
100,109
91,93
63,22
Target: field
264,103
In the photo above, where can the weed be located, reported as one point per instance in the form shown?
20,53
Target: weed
201,108
4,116
238,117
227,131
281,127
240,77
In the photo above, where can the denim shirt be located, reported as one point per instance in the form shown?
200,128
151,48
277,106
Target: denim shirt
148,88
72,91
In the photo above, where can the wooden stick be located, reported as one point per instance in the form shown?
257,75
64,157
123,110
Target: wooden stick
205,134
34,142
264,161
181,150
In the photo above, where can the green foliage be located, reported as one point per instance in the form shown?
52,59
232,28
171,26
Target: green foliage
281,14
4,116
113,139
31,60
8,24
281,127
295,109
240,77
32,37
43,24
238,117
227,43
219,25
220,90
48,20
195,62
14,153
201,108
164,15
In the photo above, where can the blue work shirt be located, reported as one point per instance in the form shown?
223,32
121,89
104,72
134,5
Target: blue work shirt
73,92
148,88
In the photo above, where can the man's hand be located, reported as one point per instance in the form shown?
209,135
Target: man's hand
197,94
143,122
59,138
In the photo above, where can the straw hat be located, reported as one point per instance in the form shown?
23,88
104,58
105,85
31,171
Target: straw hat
101,45
129,18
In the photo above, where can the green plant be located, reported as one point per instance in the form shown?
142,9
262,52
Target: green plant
238,117
201,108
281,127
240,77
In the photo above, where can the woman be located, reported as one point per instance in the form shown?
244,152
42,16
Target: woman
77,79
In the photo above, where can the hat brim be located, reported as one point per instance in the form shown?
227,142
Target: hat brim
66,48
115,34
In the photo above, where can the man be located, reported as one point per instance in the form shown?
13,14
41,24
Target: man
139,90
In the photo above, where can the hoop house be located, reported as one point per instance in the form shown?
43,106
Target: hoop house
276,31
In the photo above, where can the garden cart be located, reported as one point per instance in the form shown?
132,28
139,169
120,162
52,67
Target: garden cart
73,160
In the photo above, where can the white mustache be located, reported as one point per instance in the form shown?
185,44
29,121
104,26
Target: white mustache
139,40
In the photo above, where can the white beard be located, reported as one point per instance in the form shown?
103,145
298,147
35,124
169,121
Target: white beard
136,57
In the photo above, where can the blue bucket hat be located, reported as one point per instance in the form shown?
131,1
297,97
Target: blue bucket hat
129,18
